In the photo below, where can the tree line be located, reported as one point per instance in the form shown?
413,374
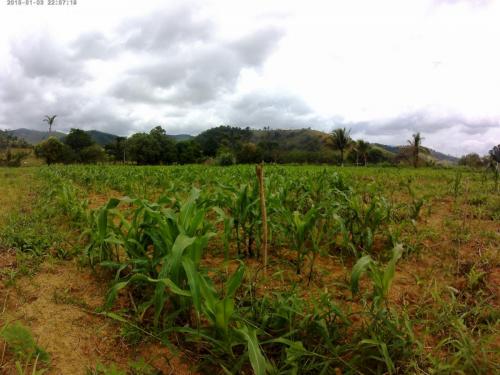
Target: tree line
226,145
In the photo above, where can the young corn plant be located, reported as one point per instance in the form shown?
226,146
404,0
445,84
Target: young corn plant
300,230
386,337
362,218
416,202
149,247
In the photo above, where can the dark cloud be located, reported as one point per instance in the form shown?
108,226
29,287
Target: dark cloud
198,75
95,45
165,29
39,56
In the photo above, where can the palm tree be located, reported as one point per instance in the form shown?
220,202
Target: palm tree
362,148
341,140
49,120
416,147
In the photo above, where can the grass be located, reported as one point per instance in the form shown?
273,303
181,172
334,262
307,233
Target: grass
183,270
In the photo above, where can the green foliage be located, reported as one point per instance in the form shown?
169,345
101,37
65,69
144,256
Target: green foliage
21,343
341,139
8,140
225,158
13,159
54,151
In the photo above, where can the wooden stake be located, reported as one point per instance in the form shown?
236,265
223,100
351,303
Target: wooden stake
259,169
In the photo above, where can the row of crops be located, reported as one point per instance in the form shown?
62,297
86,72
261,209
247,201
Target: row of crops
153,237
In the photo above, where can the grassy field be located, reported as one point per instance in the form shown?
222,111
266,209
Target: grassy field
159,270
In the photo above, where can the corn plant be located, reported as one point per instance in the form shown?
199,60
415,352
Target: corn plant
300,230
380,277
416,202
362,218
154,242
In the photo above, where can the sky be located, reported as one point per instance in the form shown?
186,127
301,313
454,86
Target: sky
384,69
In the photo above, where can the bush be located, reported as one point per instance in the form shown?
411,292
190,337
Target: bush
225,159
54,151
92,154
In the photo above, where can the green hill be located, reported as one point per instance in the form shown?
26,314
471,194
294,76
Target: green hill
36,136
297,140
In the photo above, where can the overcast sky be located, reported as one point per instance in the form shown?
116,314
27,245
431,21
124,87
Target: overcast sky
385,68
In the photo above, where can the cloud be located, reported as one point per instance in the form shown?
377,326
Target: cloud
198,75
324,65
94,45
39,56
166,28
273,109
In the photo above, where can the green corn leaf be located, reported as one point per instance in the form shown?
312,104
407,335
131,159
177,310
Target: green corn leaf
357,271
235,280
257,359
223,312
172,267
193,281
209,296
391,268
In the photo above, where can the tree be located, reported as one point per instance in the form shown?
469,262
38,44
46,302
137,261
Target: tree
248,153
341,140
495,153
50,121
54,151
116,149
416,146
471,160
143,149
92,154
363,148
166,145
78,139
188,152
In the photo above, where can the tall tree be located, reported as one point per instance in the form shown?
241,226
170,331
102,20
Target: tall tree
495,153
50,121
416,146
341,139
363,148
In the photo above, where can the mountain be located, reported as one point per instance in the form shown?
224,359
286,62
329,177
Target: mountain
36,136
433,154
181,137
101,138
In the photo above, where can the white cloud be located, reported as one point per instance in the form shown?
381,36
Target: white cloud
385,68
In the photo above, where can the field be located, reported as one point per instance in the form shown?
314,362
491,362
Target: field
162,270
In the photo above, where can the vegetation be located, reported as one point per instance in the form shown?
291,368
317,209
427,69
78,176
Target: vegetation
341,140
359,279
50,122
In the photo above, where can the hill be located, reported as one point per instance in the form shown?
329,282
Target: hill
36,136
300,140
181,137
101,138
433,154
307,140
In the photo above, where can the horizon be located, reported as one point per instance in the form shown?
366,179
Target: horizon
66,131
383,70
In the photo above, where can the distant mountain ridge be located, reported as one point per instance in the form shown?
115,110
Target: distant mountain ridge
36,136
299,139
101,138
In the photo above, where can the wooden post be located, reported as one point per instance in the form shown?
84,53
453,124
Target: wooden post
260,177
